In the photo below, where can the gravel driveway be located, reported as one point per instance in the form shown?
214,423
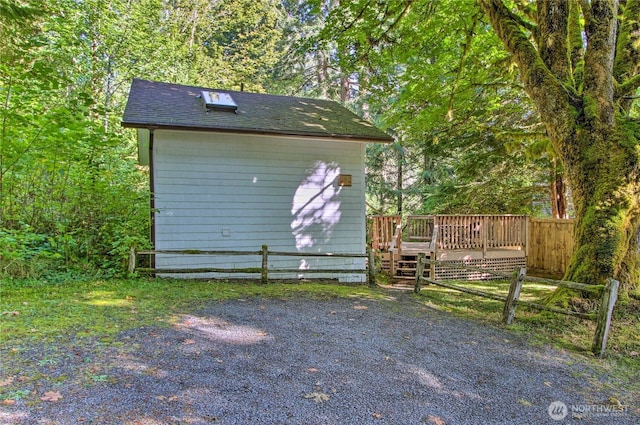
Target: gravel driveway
301,361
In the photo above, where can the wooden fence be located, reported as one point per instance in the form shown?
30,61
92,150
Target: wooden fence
550,245
263,270
608,297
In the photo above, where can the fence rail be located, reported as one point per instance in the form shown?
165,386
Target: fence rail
263,270
603,317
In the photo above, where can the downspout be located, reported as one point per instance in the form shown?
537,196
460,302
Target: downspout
152,202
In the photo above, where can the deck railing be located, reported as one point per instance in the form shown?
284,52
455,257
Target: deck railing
383,231
472,232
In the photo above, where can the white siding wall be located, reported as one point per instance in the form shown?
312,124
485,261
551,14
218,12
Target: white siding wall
221,191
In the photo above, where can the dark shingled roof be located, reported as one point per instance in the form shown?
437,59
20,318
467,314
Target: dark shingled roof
172,106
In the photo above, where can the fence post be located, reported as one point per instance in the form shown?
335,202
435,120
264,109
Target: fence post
372,267
419,271
509,311
265,264
132,260
605,313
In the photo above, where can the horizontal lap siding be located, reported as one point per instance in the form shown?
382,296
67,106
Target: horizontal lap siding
236,192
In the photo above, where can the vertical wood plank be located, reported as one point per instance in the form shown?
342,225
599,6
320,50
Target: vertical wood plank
509,311
132,260
484,220
419,272
605,313
371,268
265,264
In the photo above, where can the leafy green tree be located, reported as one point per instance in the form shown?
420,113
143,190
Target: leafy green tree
580,64
442,73
439,77
71,193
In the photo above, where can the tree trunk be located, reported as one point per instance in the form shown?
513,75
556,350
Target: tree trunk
558,194
400,180
584,113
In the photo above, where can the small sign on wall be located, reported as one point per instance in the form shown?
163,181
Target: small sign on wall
344,180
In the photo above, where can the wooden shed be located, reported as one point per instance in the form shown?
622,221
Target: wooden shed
235,170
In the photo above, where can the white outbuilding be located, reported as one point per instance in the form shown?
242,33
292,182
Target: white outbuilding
233,171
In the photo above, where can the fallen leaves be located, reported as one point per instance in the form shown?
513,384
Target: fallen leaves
165,398
524,402
5,382
436,420
317,396
360,307
51,396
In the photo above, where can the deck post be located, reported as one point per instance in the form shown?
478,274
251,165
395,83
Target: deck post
132,260
265,264
605,313
509,311
485,235
419,271
372,268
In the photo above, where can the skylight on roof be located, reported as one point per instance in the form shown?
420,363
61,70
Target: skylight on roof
217,100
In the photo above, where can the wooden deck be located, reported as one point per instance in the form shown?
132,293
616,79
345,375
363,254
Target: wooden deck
494,242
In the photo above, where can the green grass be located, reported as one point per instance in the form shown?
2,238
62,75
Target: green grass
568,333
33,310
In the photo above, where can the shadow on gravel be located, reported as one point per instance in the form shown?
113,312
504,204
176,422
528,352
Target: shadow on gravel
339,361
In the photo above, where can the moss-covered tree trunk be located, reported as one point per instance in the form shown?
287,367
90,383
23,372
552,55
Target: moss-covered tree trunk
580,63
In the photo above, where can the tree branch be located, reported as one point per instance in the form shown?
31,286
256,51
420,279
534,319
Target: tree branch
576,44
553,17
548,94
626,66
465,51
598,61
629,87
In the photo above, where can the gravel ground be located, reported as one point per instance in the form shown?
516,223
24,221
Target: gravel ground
301,361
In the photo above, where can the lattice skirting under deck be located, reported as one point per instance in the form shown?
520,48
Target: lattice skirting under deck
503,265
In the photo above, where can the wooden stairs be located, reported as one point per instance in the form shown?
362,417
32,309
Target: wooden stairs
405,267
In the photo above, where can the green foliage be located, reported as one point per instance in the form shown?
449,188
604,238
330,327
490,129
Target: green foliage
467,134
72,198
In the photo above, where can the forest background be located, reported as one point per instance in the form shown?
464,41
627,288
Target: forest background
433,74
